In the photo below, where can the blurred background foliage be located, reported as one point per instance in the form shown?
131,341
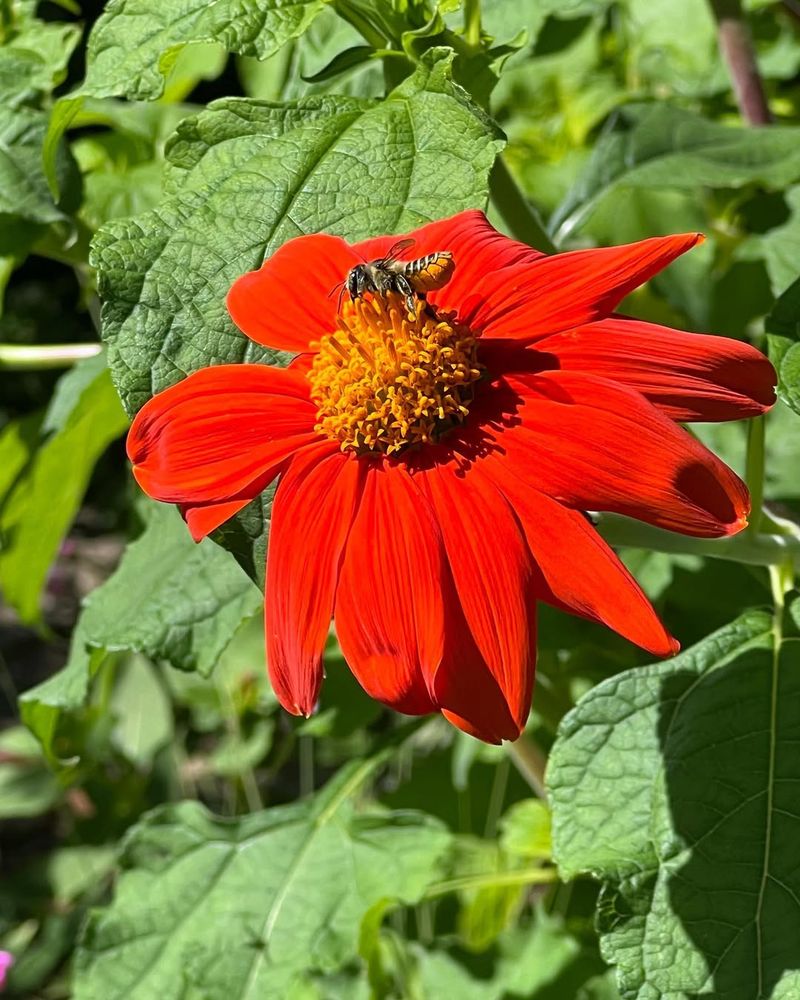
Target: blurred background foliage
166,829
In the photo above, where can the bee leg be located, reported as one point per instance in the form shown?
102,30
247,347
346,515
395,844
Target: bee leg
425,304
405,287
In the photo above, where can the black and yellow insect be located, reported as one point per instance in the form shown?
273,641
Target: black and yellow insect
412,278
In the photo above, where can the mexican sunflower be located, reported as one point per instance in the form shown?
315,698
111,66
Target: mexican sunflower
436,462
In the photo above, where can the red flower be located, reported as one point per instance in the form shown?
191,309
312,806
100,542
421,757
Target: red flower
435,464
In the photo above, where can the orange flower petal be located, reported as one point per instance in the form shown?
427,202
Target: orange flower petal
494,587
311,517
580,572
389,609
466,691
689,376
208,517
221,434
293,298
567,289
596,445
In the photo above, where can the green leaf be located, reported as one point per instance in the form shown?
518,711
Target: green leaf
247,906
85,417
34,60
673,784
27,787
660,145
24,192
47,709
135,43
143,710
245,176
170,598
783,340
342,165
355,55
540,959
779,247
525,830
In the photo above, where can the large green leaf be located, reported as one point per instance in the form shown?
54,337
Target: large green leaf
134,43
171,598
54,460
676,785
660,145
236,909
245,176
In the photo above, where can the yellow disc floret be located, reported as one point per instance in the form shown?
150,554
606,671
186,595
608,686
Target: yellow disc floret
386,379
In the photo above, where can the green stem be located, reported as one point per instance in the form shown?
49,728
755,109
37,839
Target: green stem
754,472
350,13
523,876
16,357
472,23
517,212
530,761
755,549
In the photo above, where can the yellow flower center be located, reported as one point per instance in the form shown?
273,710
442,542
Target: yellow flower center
384,379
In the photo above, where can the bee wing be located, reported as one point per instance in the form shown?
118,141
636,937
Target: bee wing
394,250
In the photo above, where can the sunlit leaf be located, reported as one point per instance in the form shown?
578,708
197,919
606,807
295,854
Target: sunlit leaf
660,145
171,598
247,906
134,43
83,421
675,785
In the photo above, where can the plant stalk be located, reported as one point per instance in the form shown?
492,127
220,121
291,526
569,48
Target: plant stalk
736,47
16,357
530,761
754,472
753,548
472,23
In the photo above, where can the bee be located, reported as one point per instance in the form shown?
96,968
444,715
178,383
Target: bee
412,278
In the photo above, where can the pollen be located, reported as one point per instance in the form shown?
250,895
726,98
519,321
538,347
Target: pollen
385,379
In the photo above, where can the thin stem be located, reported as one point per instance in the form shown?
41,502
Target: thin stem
305,746
496,798
472,23
746,547
736,47
754,473
530,761
523,876
517,212
16,357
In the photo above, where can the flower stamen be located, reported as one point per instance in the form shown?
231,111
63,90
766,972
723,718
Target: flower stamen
385,380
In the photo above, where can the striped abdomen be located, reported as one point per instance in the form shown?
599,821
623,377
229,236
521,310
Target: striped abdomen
428,273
